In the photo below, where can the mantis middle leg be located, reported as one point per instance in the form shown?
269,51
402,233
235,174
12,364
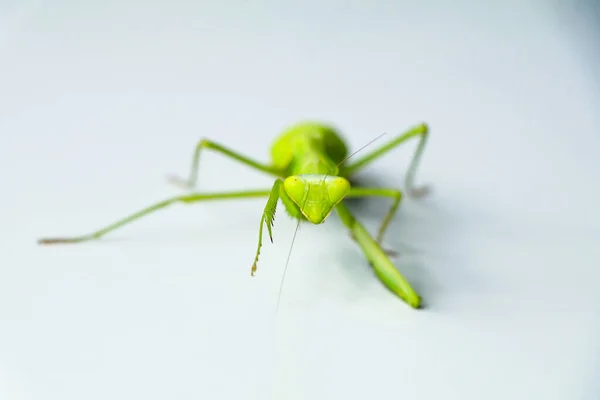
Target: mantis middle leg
190,182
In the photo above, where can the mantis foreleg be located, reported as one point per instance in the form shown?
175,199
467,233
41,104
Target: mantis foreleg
190,182
188,198
420,131
268,216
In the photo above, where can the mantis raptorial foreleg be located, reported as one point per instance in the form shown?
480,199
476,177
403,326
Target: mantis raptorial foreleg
188,198
190,182
267,218
268,215
422,132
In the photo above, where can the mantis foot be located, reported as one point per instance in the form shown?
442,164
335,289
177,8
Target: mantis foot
180,182
419,192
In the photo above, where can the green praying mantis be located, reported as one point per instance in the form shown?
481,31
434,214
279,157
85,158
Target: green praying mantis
311,164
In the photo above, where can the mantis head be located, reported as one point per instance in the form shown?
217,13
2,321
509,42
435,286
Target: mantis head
316,195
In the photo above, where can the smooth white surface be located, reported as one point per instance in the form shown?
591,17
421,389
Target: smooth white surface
99,102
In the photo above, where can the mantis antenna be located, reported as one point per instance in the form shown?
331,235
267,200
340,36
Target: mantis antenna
299,220
361,149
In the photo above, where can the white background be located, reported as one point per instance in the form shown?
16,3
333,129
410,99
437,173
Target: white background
100,101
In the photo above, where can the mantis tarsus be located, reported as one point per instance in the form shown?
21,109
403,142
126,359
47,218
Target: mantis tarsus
311,164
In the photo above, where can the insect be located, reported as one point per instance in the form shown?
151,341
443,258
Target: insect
312,168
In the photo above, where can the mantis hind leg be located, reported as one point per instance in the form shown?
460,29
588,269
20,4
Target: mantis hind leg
394,194
190,182
422,132
189,198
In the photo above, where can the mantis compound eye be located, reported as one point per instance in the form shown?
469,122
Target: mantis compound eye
337,189
295,187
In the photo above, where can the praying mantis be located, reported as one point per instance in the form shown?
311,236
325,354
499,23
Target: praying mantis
312,171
